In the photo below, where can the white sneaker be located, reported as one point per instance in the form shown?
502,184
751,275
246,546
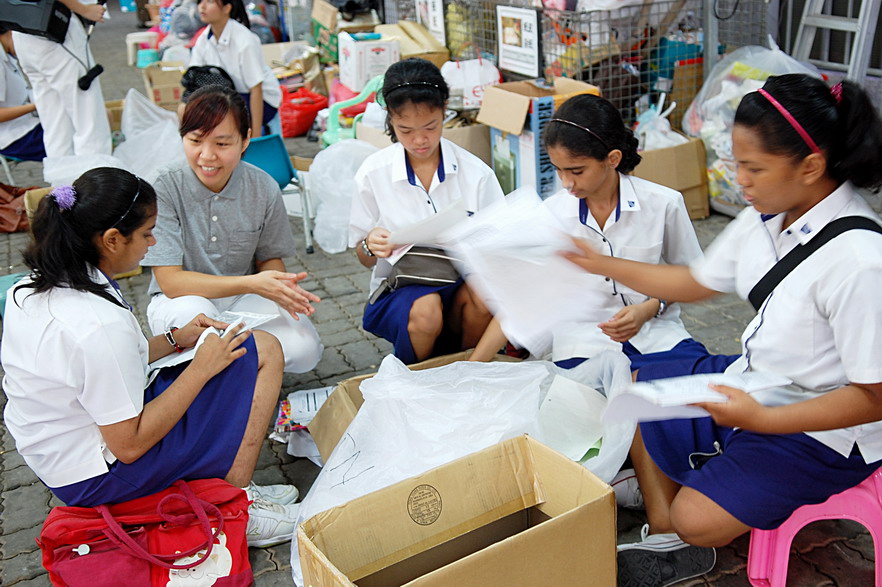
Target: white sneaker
660,560
270,523
628,494
280,494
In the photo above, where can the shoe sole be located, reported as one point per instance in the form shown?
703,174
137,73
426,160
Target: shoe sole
643,568
267,542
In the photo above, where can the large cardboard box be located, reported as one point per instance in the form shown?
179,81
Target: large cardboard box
361,61
333,418
162,81
682,168
114,113
517,113
415,41
327,22
516,513
474,138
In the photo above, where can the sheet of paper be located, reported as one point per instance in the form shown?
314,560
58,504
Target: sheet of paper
666,399
428,231
306,403
570,417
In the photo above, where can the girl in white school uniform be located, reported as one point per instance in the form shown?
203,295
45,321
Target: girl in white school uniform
801,149
223,231
625,217
419,175
229,43
87,415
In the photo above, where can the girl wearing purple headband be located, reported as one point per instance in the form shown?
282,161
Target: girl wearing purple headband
802,148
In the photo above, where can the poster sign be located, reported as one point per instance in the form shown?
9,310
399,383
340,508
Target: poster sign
518,33
430,14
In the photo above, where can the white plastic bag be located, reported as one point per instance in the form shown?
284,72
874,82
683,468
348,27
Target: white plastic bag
332,183
712,113
469,78
152,138
413,421
64,170
654,130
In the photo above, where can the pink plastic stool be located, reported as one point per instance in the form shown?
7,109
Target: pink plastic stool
770,549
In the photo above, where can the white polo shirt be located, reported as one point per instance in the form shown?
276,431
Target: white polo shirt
73,361
388,195
650,225
13,92
822,324
238,52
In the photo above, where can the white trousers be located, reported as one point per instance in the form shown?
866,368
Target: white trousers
300,341
74,121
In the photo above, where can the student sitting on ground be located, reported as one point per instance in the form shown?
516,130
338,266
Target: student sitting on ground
84,412
21,134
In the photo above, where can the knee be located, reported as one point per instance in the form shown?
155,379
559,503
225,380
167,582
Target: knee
697,526
473,303
426,316
302,353
269,350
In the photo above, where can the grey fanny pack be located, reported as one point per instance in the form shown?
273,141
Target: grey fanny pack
419,266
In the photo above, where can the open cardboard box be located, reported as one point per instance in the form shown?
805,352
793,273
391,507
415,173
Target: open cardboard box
474,138
162,82
335,415
681,168
415,41
327,22
516,513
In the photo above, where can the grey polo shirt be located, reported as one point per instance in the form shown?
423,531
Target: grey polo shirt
218,234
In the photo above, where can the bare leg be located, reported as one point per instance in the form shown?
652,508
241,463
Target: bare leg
699,521
658,489
425,322
469,317
270,363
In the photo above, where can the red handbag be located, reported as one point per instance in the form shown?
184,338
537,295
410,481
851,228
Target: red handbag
192,533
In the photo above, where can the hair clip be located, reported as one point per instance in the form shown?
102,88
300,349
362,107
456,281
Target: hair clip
836,91
584,128
65,196
411,84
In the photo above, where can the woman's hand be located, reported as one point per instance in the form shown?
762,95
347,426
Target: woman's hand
93,12
378,241
186,336
283,288
629,320
740,410
587,257
217,352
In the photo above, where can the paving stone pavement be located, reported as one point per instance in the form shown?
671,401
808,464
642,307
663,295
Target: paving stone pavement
833,553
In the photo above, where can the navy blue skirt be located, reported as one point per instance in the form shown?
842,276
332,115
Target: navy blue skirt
202,445
388,317
761,479
27,148
688,357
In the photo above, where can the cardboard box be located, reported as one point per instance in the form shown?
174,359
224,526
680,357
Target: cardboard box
114,113
333,418
474,138
327,22
516,513
517,113
682,168
361,61
162,81
415,41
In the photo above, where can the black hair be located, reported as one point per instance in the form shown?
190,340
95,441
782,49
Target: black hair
412,81
63,242
208,106
848,131
607,131
237,12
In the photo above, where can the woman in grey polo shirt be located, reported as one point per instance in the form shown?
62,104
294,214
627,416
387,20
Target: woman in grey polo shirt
222,232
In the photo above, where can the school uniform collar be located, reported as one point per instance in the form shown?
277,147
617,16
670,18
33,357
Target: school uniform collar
111,286
629,201
403,171
809,224
225,36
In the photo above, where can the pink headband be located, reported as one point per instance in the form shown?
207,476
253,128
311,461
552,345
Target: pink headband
793,122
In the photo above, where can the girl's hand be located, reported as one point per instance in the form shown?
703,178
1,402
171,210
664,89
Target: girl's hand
283,289
216,353
628,321
740,411
93,12
186,336
378,241
587,256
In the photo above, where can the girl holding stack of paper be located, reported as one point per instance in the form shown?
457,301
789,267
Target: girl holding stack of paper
801,149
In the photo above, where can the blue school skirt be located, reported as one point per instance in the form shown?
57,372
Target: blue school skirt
268,111
202,445
688,357
760,479
388,317
27,148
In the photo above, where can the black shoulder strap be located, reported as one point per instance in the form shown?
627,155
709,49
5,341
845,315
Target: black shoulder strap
782,268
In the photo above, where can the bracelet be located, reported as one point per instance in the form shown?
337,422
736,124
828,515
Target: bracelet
170,337
365,248
662,306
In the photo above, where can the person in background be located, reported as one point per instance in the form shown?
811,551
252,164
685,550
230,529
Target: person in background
229,43
86,413
417,176
74,120
21,134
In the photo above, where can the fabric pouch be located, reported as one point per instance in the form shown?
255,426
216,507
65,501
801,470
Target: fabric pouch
419,266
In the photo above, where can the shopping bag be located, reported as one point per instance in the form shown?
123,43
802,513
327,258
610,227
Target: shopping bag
469,78
12,210
298,110
191,533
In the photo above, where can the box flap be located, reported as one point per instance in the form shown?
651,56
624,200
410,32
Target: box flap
504,109
393,31
421,35
325,14
164,73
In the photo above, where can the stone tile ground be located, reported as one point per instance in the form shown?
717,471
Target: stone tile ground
834,553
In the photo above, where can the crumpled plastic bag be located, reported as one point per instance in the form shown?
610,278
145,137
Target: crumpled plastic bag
152,137
712,113
331,184
64,170
654,130
413,421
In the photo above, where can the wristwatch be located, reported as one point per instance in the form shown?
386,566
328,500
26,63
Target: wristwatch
365,248
662,306
170,338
